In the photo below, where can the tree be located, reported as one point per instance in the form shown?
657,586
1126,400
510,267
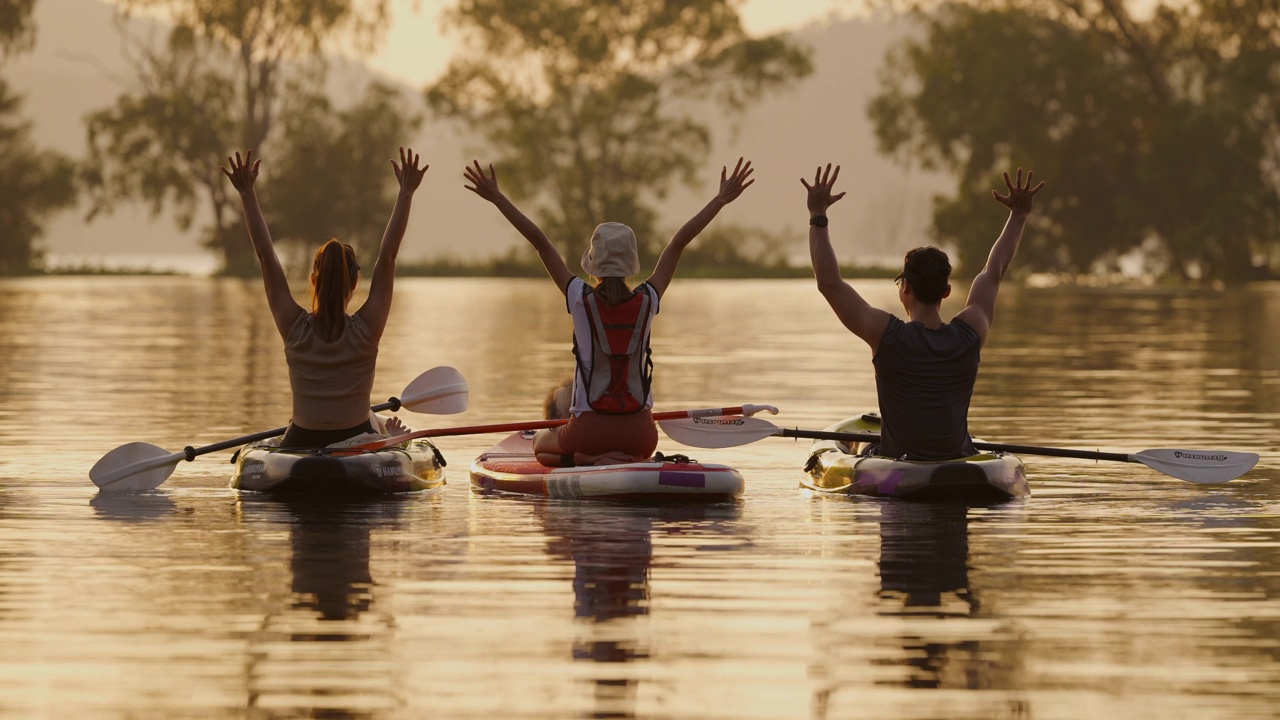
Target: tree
215,84
1147,131
330,177
592,107
37,182
17,28
738,251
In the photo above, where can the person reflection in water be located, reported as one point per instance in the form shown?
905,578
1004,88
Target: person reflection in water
612,554
330,562
924,573
925,368
329,621
924,558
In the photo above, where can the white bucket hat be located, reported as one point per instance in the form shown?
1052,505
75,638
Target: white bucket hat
612,252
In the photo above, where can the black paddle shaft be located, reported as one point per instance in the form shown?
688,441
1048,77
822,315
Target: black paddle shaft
999,447
392,404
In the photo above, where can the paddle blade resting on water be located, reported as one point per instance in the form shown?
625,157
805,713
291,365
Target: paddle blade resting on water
438,391
134,467
1208,467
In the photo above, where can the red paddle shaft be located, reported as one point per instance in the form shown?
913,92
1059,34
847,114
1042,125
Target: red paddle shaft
542,424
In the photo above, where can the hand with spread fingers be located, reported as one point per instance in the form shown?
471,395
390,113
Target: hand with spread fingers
408,174
1020,196
482,184
731,186
820,197
243,173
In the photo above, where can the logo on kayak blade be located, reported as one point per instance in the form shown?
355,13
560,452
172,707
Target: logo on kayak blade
1197,456
719,421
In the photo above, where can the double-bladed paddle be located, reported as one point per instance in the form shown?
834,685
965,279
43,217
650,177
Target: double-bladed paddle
543,424
138,466
1197,466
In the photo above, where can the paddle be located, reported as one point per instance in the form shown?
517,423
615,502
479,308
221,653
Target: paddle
140,466
542,424
1198,466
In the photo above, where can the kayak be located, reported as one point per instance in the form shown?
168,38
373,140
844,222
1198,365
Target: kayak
266,467
836,467
510,466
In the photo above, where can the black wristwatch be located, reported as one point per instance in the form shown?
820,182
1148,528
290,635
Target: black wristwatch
818,220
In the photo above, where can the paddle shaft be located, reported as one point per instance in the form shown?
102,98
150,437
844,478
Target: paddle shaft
191,453
999,447
544,424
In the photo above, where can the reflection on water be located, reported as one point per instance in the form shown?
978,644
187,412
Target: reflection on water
1112,592
612,555
133,508
324,648
611,549
924,559
938,635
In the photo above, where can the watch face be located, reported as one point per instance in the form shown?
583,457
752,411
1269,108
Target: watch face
818,220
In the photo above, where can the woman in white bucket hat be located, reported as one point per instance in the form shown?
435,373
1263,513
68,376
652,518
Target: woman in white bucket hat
610,418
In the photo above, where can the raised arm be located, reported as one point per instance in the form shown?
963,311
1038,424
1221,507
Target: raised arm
284,309
377,307
857,314
980,310
486,186
731,186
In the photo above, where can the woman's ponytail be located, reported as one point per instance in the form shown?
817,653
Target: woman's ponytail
333,278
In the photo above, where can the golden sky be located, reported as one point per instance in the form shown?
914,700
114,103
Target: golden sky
415,51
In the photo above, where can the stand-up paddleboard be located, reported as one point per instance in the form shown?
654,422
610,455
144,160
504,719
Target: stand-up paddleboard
510,466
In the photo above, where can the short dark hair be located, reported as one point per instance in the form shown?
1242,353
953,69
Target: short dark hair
927,269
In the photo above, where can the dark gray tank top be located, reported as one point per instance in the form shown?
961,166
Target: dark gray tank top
924,379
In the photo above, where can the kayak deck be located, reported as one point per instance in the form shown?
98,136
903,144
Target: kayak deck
838,468
268,468
510,466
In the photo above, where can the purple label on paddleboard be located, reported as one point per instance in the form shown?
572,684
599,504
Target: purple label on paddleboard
682,479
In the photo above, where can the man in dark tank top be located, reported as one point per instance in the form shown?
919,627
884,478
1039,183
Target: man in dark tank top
925,367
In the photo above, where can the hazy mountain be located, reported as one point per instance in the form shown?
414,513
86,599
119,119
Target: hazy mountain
78,66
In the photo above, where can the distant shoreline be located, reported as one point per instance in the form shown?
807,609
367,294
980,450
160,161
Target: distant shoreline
501,267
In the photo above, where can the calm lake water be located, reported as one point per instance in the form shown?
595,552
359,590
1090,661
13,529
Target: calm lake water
1112,592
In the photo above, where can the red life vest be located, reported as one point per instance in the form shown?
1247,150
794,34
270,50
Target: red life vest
621,370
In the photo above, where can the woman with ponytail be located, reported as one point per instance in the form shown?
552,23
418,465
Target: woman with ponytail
610,417
331,355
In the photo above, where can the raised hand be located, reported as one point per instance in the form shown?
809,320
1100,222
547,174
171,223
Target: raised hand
486,186
408,174
1020,196
243,173
731,186
820,197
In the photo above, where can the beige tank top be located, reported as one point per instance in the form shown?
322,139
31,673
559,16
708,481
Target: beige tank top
331,381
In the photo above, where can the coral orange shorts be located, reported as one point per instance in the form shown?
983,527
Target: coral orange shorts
593,433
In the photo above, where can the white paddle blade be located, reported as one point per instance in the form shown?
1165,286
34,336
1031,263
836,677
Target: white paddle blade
1208,467
438,391
718,432
134,467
